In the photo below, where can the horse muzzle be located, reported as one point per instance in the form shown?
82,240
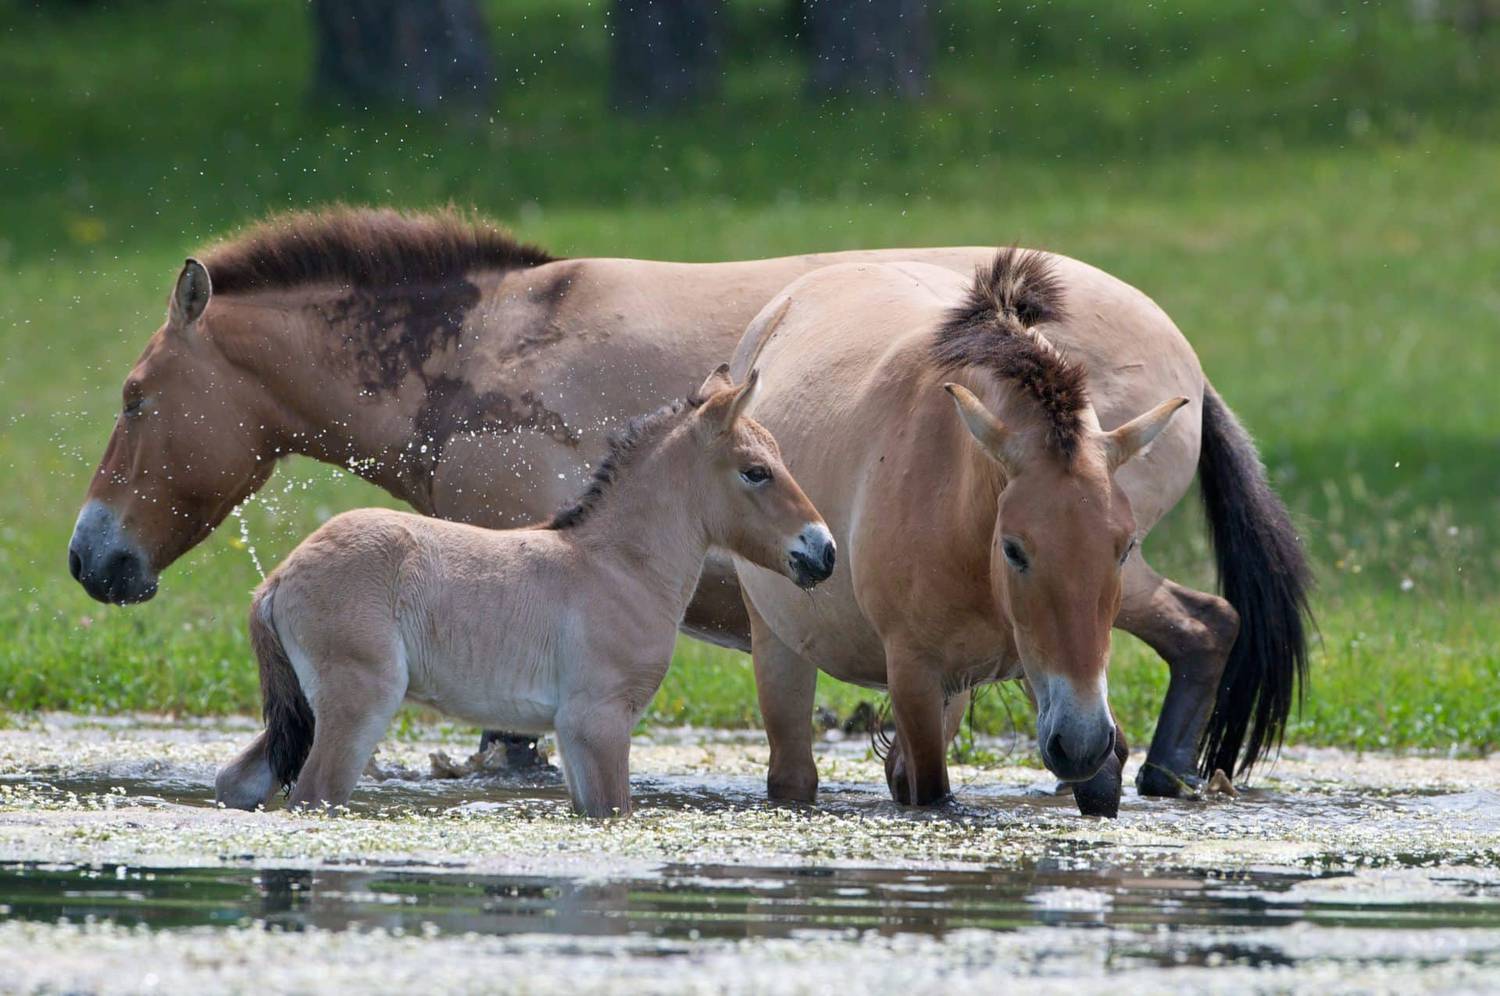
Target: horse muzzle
109,565
1075,737
811,558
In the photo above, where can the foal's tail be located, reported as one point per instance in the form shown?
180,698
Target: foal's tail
1264,575
289,719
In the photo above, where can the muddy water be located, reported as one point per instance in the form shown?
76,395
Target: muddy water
1336,872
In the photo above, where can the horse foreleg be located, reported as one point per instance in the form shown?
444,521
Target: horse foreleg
918,776
1193,632
785,684
594,739
953,718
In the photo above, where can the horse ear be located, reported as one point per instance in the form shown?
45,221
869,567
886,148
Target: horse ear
191,294
987,430
720,412
716,382
1134,436
742,397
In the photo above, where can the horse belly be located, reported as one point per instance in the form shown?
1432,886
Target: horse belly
488,683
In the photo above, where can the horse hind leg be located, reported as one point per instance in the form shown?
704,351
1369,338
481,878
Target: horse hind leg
247,782
355,703
1193,632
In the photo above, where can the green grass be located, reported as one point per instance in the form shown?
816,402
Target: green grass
1310,195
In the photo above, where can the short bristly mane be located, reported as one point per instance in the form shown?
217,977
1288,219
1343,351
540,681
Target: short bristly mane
638,435
992,329
376,248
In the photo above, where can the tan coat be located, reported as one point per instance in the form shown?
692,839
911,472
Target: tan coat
530,629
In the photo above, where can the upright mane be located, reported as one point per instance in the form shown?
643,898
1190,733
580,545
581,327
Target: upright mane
638,435
992,329
364,248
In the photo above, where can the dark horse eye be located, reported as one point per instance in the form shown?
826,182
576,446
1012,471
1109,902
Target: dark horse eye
1015,555
756,475
1129,548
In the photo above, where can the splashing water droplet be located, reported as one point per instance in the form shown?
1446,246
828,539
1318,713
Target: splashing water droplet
244,524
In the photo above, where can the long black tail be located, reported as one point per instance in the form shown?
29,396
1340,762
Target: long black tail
289,719
1263,573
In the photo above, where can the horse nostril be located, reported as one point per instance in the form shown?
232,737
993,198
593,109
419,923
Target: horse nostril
75,565
1056,751
828,555
121,573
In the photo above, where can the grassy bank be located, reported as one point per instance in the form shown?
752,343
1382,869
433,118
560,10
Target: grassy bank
1309,195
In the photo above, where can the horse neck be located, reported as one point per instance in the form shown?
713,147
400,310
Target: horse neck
650,523
293,343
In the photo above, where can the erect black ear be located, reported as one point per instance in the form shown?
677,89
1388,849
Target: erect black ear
191,294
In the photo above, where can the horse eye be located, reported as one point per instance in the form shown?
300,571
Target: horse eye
755,475
134,404
1015,555
1129,548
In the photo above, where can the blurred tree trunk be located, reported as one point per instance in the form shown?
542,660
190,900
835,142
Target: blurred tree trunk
874,47
422,53
666,53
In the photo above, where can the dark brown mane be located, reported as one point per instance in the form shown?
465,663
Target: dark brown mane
623,445
990,330
365,248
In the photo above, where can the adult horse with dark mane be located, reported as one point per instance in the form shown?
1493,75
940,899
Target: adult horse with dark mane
475,378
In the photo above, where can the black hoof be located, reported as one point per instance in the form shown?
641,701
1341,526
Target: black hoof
1157,781
521,752
1100,795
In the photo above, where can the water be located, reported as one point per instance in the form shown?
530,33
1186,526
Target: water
692,902
1344,872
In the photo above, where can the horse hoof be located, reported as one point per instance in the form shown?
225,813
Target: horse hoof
791,791
1158,782
1100,795
1104,803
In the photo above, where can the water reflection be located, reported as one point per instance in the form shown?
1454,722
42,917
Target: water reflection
691,901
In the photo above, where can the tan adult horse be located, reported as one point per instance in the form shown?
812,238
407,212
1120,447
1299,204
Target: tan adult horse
474,378
568,626
1013,558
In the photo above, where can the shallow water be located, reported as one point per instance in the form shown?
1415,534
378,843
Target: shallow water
1337,872
692,902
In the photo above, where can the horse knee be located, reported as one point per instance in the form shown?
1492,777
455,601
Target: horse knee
1204,636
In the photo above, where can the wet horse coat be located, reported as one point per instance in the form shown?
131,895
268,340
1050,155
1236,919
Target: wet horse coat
475,378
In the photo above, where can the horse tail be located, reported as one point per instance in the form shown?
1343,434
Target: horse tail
1263,574
289,719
